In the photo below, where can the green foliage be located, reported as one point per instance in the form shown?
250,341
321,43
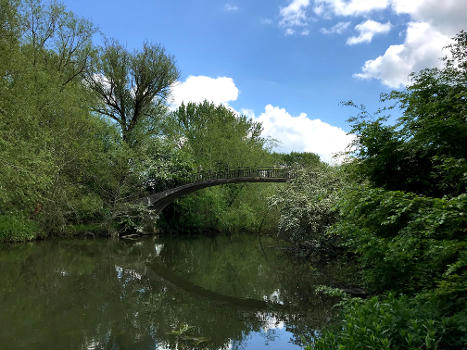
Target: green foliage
307,208
48,141
132,87
160,164
406,219
84,130
211,137
217,138
391,322
424,152
297,159
330,291
16,228
61,164
405,241
91,230
228,208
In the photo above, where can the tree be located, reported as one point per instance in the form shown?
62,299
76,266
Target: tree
406,219
213,138
9,32
132,87
216,137
424,152
67,39
298,159
58,162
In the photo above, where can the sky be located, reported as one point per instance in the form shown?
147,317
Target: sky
287,63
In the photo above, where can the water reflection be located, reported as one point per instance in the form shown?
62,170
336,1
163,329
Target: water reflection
205,293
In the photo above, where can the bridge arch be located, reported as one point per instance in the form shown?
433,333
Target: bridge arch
159,200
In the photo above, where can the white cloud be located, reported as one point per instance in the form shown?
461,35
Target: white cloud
338,28
220,90
421,48
348,8
301,134
447,16
248,112
230,7
305,32
429,29
431,25
367,30
294,15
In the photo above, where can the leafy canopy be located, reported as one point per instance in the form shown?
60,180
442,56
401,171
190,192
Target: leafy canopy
424,152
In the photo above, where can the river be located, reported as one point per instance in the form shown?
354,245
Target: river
224,292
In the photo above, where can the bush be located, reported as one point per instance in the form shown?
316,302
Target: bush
391,322
405,242
307,208
16,228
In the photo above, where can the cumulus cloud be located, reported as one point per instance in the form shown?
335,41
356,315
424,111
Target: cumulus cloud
447,17
431,26
367,30
220,90
338,28
430,29
421,48
301,134
348,8
294,15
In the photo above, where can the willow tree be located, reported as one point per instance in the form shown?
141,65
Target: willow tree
131,86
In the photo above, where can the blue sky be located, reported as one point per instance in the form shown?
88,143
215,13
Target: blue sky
287,63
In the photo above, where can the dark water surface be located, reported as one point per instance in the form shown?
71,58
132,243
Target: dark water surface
237,292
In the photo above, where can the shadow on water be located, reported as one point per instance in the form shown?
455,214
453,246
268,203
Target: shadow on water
204,293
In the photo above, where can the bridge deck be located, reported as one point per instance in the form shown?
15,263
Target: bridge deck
160,200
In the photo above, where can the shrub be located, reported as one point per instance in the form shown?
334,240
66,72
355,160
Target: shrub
391,322
15,228
405,242
307,208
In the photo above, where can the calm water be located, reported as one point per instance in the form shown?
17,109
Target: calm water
238,292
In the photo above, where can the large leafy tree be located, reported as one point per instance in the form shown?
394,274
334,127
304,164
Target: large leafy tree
424,152
132,86
59,164
57,39
216,137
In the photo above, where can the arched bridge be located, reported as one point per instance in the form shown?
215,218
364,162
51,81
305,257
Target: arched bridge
159,200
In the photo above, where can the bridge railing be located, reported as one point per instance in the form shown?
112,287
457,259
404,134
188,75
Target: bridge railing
281,173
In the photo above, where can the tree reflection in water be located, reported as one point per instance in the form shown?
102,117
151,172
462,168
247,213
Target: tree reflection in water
181,293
